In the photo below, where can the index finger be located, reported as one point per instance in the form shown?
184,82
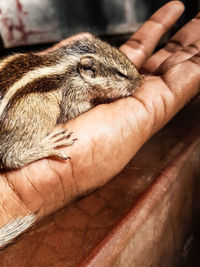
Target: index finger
141,44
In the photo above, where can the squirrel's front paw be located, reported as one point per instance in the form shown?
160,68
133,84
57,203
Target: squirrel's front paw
58,139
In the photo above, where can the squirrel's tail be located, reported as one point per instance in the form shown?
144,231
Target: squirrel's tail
15,228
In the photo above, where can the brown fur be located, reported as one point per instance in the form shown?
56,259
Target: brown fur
21,64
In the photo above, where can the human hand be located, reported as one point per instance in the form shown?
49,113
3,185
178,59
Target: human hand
110,135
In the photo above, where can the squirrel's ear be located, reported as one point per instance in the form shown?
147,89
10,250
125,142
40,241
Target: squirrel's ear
87,66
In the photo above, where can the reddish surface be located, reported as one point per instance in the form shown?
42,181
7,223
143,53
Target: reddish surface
20,7
143,217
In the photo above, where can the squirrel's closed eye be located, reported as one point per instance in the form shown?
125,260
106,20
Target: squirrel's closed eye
121,75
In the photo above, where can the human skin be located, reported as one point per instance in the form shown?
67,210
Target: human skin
106,141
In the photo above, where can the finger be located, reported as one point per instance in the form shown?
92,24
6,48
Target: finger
141,45
180,56
183,81
187,35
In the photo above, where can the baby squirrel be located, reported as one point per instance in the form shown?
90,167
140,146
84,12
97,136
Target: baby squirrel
39,91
